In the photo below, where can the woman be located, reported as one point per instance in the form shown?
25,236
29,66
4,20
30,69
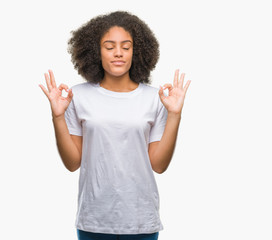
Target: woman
115,127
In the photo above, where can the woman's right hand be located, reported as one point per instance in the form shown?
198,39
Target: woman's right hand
58,103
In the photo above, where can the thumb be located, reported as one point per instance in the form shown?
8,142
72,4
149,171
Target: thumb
69,95
161,94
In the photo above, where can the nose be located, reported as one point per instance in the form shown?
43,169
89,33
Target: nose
118,52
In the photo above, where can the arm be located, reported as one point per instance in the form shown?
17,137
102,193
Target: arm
161,152
69,146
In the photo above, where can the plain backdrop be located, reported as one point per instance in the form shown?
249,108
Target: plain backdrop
218,184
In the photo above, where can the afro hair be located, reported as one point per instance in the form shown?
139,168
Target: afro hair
84,46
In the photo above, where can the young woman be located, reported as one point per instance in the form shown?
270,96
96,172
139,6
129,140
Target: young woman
115,127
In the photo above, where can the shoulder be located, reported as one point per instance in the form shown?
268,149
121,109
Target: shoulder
150,89
82,88
82,91
153,93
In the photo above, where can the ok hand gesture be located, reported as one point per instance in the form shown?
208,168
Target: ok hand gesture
175,100
58,103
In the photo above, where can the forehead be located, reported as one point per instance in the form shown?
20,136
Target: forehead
116,34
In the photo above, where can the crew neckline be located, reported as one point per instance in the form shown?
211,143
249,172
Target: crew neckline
119,94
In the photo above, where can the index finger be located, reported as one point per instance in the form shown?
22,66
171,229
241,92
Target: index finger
52,78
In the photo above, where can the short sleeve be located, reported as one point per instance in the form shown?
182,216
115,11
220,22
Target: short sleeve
157,128
72,121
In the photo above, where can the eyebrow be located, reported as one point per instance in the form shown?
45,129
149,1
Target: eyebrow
110,41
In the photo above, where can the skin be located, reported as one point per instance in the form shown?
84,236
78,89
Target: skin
161,152
116,56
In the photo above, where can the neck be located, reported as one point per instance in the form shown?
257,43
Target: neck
118,84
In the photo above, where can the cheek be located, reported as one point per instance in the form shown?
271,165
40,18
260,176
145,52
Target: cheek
130,55
104,57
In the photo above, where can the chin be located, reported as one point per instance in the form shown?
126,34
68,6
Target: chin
118,73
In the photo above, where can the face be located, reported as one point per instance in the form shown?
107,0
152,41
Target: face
116,52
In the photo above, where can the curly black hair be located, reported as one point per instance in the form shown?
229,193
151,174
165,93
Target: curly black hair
84,46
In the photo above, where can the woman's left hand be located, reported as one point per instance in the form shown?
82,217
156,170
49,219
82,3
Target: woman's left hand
175,99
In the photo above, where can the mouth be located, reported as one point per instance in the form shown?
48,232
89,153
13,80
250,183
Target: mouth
118,63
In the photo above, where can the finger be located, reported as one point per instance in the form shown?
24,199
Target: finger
161,94
187,85
52,78
180,84
176,78
44,90
70,95
168,85
49,86
63,86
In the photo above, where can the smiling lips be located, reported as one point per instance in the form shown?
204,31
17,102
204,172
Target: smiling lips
118,63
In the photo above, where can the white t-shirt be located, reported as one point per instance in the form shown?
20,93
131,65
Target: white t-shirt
118,193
